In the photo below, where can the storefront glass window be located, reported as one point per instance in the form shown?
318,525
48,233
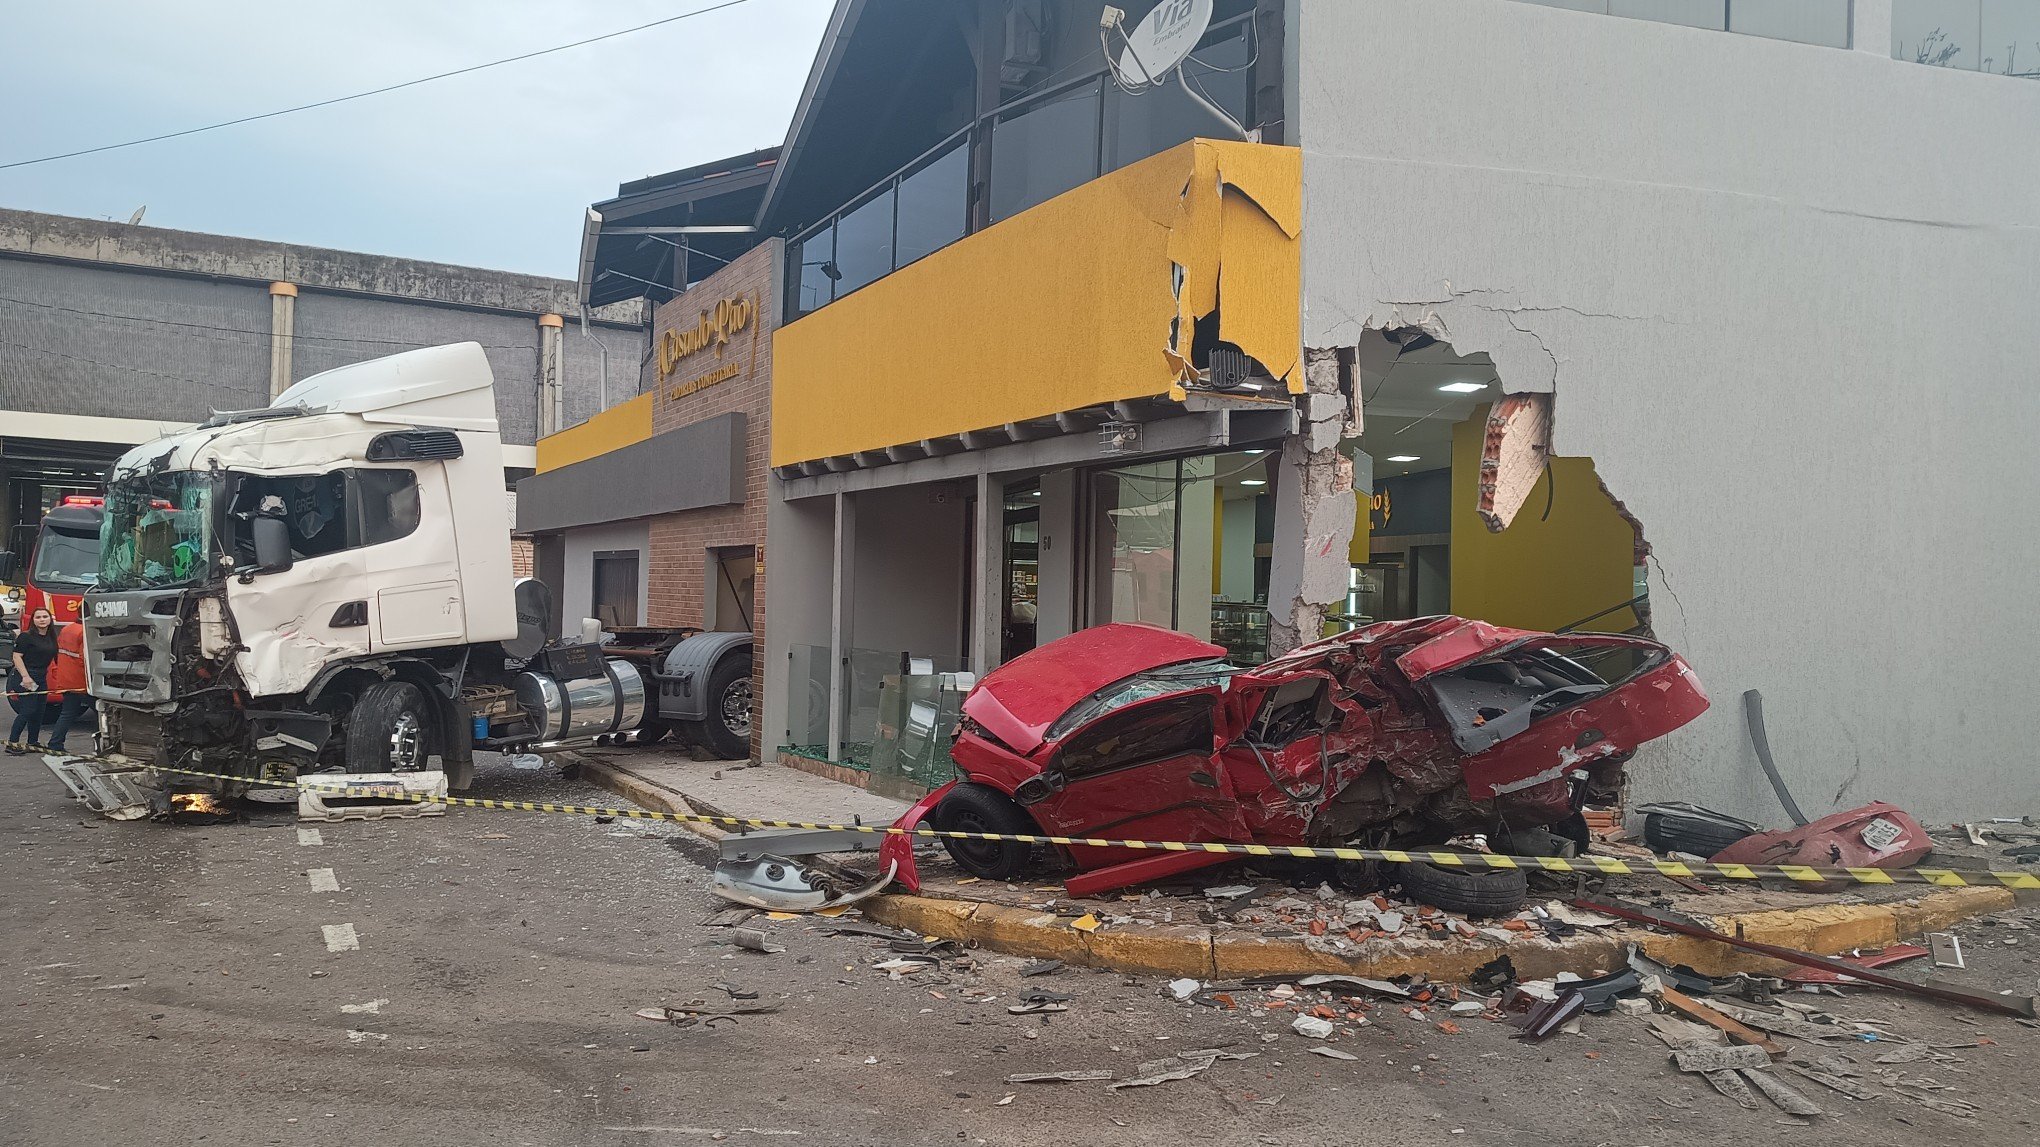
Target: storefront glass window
934,204
1039,153
1133,517
864,243
1158,120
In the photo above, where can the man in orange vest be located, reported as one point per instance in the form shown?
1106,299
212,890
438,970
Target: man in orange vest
67,682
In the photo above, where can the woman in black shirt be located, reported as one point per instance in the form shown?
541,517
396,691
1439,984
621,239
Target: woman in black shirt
27,680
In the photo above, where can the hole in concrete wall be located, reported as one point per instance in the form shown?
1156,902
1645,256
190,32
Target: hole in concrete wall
1464,509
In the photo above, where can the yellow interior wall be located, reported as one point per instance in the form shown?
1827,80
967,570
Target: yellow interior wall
613,429
1539,574
1061,307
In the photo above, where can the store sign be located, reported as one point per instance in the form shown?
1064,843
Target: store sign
712,328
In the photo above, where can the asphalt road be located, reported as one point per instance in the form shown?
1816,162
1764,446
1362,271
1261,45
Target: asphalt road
172,984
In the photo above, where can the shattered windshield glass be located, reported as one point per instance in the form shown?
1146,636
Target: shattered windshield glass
1140,687
157,531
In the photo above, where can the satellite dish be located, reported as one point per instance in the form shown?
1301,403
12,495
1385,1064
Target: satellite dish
1163,41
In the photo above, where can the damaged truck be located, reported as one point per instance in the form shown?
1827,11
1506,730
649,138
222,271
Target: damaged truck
324,585
1398,735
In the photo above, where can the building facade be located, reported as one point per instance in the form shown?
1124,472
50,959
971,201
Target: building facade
1678,335
652,513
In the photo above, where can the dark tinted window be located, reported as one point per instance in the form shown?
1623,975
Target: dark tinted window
327,513
864,243
1171,727
933,203
1043,151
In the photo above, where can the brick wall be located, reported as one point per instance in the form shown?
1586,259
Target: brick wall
681,541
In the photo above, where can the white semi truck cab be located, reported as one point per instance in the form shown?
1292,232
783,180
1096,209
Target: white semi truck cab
325,585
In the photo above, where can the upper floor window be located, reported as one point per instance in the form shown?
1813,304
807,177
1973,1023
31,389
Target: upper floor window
1997,36
1028,151
1824,22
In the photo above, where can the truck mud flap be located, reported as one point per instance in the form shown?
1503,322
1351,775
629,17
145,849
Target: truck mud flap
371,796
108,791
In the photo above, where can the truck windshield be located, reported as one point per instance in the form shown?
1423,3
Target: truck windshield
65,561
157,531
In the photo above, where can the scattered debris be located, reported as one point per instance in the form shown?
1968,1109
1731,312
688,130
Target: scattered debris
754,940
778,884
1877,835
1183,1066
1704,1059
1332,1053
1184,989
1947,949
1311,1027
1549,1016
1042,968
1895,954
1059,1077
1714,1018
1788,1100
2004,1005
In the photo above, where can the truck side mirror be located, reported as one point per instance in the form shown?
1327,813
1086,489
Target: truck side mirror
7,564
272,544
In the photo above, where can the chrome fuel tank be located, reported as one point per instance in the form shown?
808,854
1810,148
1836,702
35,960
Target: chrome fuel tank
583,708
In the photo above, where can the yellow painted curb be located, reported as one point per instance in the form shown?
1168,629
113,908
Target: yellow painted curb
1188,951
1182,950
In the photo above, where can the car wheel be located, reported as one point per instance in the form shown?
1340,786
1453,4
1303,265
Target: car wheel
1473,891
972,807
389,730
727,728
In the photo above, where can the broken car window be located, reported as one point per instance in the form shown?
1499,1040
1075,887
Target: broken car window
1140,687
1172,727
157,530
1498,697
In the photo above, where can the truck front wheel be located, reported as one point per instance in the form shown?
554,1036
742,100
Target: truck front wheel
389,729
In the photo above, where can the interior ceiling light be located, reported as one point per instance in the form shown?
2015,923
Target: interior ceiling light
1402,458
1463,387
1252,482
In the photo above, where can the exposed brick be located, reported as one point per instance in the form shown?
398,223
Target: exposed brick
680,542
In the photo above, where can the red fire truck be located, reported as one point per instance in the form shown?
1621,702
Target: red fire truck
64,560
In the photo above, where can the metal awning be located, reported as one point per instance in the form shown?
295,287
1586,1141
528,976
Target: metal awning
665,231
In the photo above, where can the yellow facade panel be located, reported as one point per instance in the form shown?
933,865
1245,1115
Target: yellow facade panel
613,429
1070,304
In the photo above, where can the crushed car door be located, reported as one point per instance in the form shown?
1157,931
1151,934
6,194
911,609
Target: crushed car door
1144,771
1538,707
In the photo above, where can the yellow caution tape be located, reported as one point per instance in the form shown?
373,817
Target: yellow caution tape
1586,865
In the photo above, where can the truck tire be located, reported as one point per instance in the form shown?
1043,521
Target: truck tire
727,727
389,729
972,807
1474,891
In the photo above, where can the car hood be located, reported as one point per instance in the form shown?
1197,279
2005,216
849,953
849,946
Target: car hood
1019,700
1458,645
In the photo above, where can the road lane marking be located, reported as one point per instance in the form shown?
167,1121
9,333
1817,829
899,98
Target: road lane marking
372,1008
355,1035
323,880
341,938
309,838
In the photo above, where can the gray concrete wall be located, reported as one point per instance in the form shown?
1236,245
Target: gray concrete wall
100,318
1785,296
798,582
77,340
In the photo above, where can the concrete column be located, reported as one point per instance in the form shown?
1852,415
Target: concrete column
282,334
552,394
1870,27
1314,510
988,583
1056,601
841,601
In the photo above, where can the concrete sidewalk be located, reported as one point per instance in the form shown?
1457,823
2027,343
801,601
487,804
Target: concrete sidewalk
675,782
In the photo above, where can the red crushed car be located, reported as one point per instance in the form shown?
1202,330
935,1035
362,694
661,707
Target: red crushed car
1400,734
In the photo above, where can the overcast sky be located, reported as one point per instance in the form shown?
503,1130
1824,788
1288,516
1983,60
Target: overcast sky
491,169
